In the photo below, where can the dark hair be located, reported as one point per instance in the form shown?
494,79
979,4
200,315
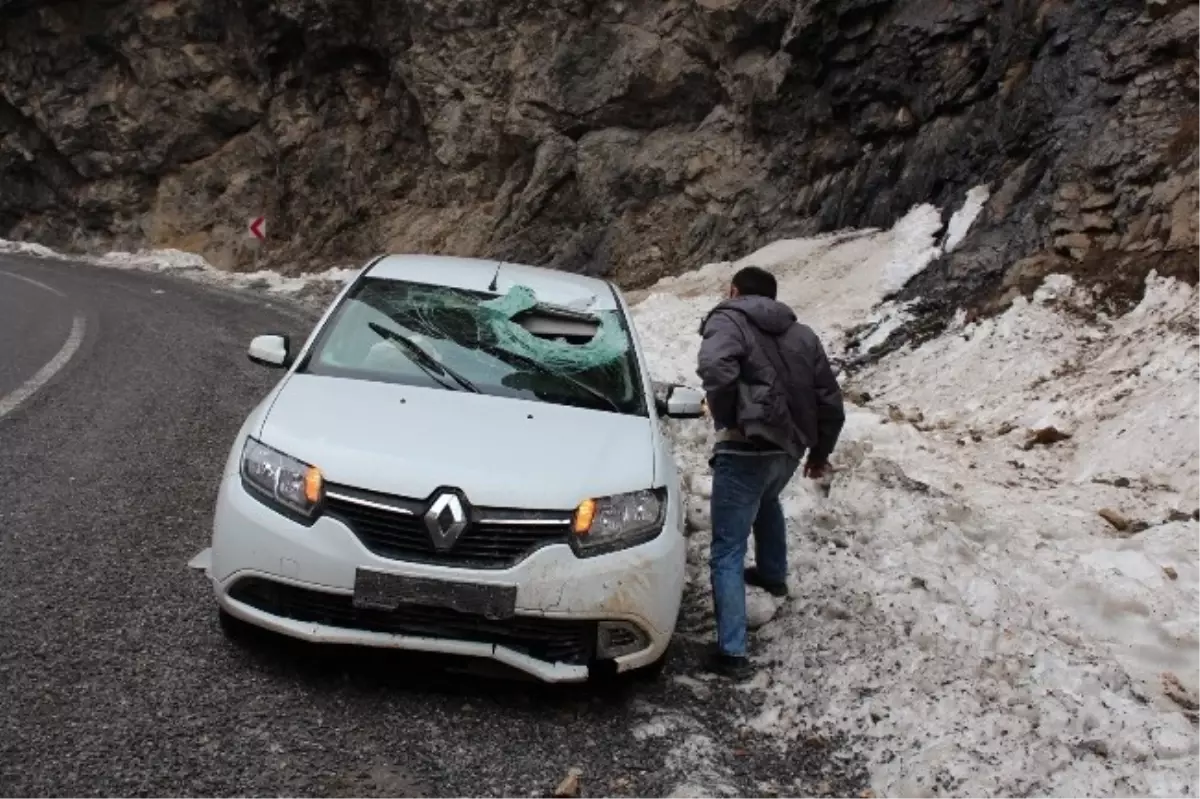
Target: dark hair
755,282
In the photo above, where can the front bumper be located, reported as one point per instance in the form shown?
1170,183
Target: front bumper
642,585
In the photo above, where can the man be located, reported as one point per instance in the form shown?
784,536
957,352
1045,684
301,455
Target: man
773,397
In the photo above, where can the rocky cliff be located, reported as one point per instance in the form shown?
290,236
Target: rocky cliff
630,138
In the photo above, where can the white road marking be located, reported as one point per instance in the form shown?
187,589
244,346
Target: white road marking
37,283
26,390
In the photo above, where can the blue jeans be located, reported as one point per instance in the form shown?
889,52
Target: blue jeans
745,497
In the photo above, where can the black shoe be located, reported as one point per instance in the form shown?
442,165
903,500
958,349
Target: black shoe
735,667
774,589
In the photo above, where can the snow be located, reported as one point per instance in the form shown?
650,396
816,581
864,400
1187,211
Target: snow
962,219
958,605
26,248
834,282
697,755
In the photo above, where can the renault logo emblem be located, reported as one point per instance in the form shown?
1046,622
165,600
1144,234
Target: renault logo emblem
445,520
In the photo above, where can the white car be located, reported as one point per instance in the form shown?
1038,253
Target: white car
465,457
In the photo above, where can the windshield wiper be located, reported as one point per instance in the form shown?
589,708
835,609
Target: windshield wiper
423,359
502,353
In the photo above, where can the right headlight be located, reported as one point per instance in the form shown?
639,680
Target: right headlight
280,479
619,521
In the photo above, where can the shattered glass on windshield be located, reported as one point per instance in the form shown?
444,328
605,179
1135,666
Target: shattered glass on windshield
507,345
607,344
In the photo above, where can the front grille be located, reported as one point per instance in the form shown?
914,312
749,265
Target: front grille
401,534
550,640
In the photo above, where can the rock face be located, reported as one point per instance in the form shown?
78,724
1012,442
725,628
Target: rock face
631,139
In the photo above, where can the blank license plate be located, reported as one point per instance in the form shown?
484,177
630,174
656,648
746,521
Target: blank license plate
382,591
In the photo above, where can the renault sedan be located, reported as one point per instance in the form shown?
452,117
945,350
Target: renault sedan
465,457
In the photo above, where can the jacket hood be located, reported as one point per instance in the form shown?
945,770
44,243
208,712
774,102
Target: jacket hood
770,316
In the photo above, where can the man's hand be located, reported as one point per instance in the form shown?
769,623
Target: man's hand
815,471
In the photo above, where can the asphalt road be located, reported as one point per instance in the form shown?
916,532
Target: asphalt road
119,395
35,323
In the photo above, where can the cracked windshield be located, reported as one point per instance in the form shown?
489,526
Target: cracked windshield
505,345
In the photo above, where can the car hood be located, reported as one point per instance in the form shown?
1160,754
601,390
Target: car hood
501,452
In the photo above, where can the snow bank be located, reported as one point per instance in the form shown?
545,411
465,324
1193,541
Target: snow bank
958,603
834,282
27,248
194,267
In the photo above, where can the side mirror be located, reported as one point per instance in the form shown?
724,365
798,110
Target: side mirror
272,351
661,392
684,403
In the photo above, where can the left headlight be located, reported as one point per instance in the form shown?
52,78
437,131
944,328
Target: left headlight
620,521
280,478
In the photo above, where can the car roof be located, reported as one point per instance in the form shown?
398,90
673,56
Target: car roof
476,274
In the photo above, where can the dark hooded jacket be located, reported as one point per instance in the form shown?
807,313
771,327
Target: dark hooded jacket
767,377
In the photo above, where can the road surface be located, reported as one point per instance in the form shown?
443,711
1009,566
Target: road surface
119,395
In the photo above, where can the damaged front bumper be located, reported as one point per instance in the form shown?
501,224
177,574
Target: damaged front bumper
328,634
